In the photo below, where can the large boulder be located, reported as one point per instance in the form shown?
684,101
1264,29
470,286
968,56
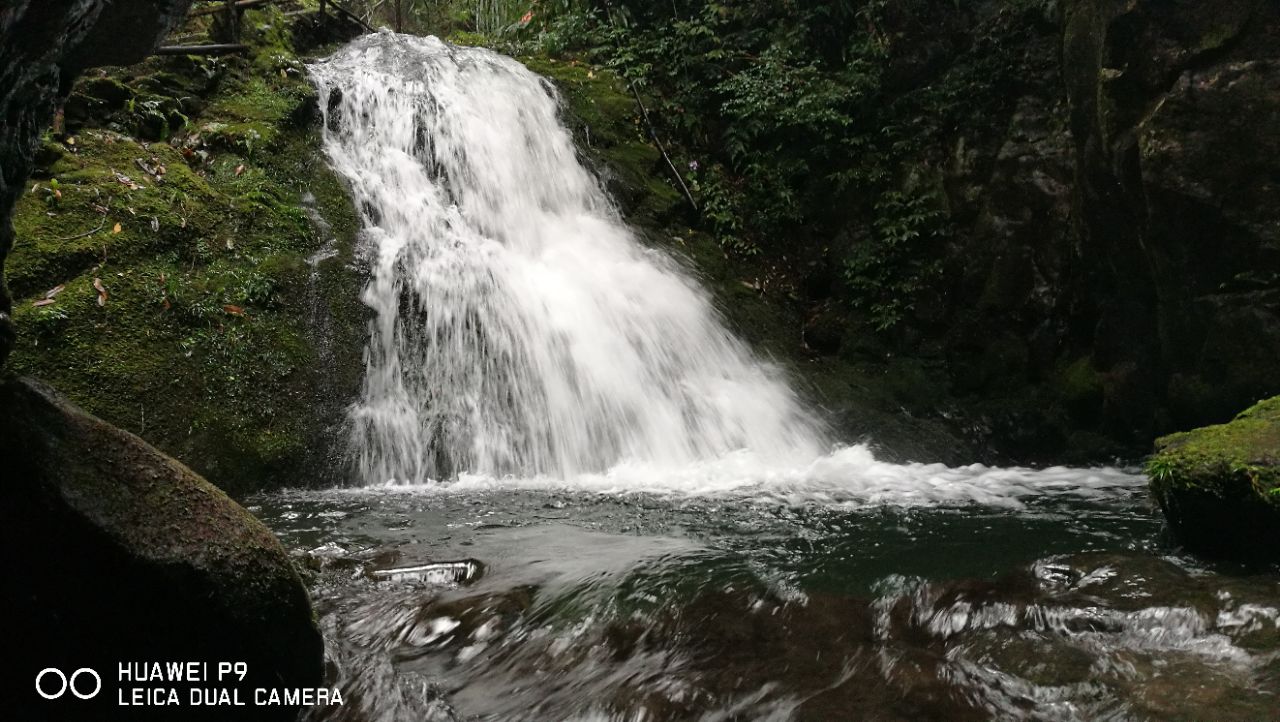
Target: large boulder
1219,486
117,554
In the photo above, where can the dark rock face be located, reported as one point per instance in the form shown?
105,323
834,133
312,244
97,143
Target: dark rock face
44,44
1176,121
121,554
1115,271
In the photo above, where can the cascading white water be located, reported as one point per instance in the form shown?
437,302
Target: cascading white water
520,328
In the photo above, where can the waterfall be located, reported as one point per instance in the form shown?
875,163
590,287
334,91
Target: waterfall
520,328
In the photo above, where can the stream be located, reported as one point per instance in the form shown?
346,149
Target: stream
495,602
577,496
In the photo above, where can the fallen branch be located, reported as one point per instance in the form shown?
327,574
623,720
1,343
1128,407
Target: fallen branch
653,133
86,234
351,16
223,49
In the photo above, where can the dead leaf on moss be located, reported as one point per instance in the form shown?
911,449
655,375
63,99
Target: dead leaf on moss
125,180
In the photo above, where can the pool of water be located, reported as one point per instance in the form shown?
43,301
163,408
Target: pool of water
528,601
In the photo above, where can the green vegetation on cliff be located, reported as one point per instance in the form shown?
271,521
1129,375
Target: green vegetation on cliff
183,265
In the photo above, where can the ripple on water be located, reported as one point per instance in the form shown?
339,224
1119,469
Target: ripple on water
660,607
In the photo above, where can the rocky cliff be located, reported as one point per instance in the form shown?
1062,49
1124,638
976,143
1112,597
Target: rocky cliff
1115,271
1124,259
182,265
1175,112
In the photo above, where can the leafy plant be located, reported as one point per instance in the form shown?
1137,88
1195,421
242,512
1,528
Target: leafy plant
888,269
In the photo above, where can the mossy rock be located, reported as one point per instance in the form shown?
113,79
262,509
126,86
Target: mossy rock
1219,486
123,554
229,328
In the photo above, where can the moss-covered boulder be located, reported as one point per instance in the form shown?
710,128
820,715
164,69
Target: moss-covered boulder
1219,486
117,553
184,263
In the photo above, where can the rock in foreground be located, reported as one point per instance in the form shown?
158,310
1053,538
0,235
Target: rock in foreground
119,554
1219,486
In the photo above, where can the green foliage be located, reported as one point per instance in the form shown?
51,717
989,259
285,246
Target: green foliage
1161,469
889,267
793,118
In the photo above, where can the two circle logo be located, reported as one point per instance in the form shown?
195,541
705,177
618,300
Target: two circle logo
62,683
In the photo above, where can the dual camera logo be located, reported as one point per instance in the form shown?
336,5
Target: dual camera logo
51,683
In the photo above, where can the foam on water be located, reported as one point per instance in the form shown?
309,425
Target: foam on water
850,476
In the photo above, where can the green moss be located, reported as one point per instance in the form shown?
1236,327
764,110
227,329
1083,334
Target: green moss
468,38
205,343
1222,460
1080,384
1219,486
606,120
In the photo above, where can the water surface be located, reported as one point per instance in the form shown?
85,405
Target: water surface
582,605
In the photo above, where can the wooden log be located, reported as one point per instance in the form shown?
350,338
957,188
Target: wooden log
223,49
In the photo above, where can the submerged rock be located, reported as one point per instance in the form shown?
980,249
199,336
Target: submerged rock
1219,486
119,554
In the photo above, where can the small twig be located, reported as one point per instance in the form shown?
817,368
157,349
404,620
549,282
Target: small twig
653,133
353,17
87,233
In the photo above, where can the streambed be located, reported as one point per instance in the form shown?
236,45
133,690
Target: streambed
1053,598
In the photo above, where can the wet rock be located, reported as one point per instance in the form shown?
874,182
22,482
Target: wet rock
1219,486
824,331
117,553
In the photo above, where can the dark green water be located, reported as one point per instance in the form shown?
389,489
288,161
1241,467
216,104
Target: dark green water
590,606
